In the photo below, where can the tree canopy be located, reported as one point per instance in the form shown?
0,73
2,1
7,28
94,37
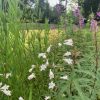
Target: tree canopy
39,10
90,6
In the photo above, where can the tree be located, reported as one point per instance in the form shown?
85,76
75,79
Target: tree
40,6
90,6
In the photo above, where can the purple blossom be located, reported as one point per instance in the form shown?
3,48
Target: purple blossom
59,8
93,25
81,22
98,14
53,26
76,12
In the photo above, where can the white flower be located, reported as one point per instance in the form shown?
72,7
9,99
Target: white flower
67,54
1,74
47,63
53,65
20,98
0,84
32,67
59,44
69,61
68,42
51,75
63,95
5,90
43,67
47,97
8,75
30,70
49,48
43,55
64,77
5,87
51,85
31,76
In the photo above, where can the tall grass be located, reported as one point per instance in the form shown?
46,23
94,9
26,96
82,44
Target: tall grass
20,49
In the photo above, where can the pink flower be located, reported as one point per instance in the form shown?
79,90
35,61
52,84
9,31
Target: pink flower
76,12
98,13
81,22
93,25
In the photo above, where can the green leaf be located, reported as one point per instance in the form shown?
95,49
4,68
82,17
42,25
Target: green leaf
81,94
87,72
30,94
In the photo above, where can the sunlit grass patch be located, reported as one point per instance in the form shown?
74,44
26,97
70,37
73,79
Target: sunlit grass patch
54,35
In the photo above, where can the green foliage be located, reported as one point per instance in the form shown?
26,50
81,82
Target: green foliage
90,6
19,50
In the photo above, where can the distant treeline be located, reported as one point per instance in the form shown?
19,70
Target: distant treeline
38,11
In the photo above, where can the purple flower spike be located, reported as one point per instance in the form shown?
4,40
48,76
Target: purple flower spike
93,25
76,12
98,14
81,22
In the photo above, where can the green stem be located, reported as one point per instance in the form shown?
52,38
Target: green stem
30,94
96,61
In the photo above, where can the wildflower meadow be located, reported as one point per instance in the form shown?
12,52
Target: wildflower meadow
57,59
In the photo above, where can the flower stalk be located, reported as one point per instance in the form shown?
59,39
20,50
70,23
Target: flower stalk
96,55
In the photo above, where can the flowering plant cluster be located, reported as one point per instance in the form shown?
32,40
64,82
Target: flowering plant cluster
46,66
34,66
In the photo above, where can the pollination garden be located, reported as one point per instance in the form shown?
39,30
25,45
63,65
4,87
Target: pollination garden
44,63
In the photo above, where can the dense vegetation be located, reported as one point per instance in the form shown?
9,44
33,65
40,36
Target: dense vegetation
62,63
39,10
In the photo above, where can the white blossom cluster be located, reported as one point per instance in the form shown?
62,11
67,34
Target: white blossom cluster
5,89
7,75
67,55
43,67
32,75
20,98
